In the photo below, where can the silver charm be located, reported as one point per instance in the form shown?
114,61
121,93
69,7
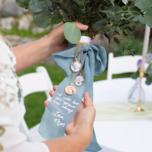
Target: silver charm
76,66
79,80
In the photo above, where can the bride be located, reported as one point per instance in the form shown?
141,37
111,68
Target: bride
79,130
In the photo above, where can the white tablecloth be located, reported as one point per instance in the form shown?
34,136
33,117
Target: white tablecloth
117,90
122,136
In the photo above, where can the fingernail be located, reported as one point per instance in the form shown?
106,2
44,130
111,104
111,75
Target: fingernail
85,26
46,102
87,93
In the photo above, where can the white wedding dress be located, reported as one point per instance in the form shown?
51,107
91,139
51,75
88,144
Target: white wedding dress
12,107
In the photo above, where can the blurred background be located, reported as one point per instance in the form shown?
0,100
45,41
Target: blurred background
16,25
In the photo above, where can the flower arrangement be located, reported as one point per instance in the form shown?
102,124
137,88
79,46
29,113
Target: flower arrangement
148,72
110,18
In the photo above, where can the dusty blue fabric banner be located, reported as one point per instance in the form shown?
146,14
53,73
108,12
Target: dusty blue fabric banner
63,107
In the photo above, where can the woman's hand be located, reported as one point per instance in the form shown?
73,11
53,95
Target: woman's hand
84,117
41,49
56,40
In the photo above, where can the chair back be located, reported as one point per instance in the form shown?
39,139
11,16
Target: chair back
35,82
123,64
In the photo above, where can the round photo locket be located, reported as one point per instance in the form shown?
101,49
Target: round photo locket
70,90
76,66
79,80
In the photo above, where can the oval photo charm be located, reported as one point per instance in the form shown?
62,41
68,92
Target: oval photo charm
70,90
79,80
76,66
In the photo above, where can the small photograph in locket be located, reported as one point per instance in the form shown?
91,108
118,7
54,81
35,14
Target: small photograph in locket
70,90
76,66
79,80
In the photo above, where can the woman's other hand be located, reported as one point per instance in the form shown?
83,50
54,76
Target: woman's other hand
84,117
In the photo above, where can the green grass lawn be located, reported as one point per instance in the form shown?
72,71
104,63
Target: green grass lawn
34,102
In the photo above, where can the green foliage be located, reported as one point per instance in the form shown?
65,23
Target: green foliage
55,20
23,3
149,80
37,6
135,75
148,17
107,17
143,4
149,72
42,19
148,75
136,44
74,35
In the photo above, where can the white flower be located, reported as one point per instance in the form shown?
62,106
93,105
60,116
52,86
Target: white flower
125,1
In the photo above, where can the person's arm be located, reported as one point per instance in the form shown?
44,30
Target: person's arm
30,54
76,142
34,52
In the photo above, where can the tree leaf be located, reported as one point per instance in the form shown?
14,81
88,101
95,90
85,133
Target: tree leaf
108,13
148,80
66,16
149,70
116,19
116,40
71,33
23,3
42,19
141,19
97,25
134,13
148,17
135,75
108,37
55,20
112,1
118,30
48,3
37,6
116,9
143,4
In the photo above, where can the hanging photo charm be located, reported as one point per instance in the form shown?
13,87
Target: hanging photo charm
76,66
70,90
79,80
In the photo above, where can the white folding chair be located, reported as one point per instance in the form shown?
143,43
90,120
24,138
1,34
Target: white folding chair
35,82
123,64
